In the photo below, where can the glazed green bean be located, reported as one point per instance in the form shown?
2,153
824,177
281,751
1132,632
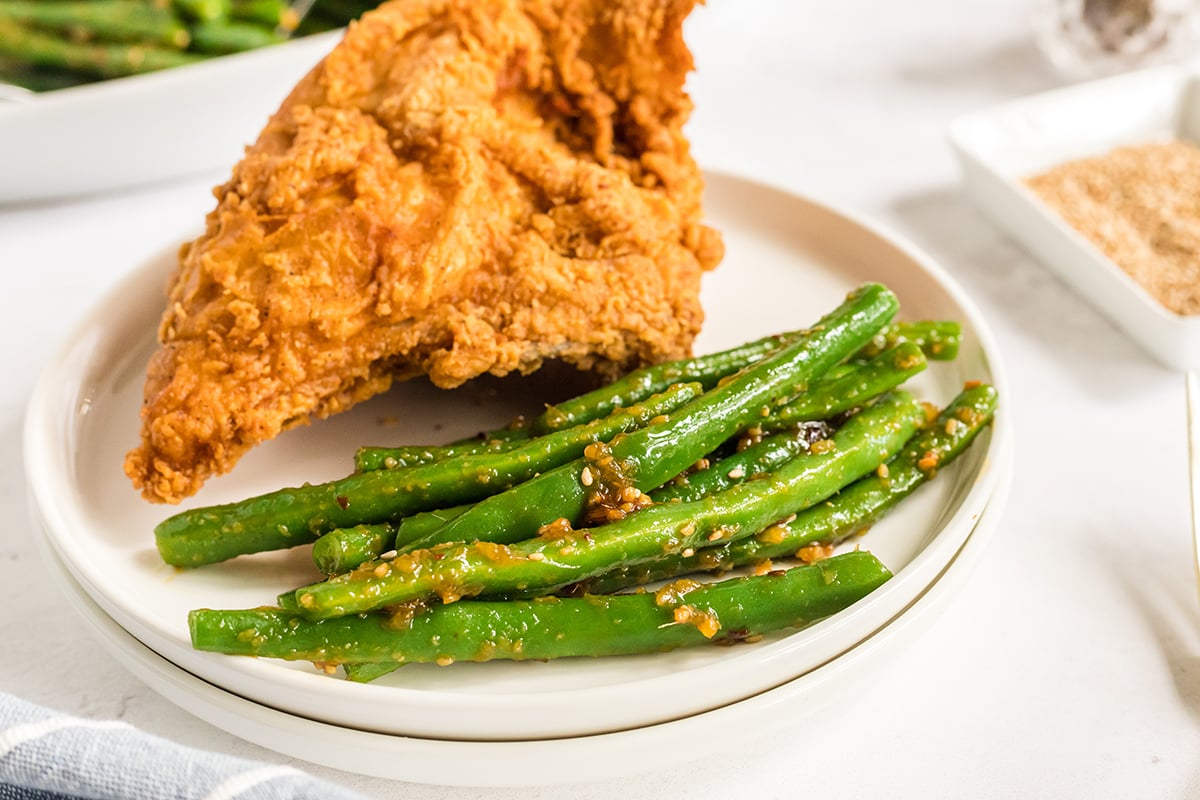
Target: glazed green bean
650,456
850,511
559,558
290,517
343,549
728,611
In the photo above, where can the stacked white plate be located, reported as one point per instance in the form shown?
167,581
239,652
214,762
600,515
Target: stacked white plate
789,260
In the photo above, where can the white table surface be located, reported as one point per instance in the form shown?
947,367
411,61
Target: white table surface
1070,664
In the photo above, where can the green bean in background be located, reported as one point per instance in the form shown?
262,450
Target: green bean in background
101,60
110,21
271,14
203,10
221,37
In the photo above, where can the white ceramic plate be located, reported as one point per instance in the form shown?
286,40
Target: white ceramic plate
144,128
789,260
815,695
998,148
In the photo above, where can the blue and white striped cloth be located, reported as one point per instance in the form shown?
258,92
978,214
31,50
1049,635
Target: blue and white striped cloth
45,755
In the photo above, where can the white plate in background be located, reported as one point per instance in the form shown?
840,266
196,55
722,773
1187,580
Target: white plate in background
129,131
788,261
998,148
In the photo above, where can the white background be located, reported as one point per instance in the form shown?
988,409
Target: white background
1068,667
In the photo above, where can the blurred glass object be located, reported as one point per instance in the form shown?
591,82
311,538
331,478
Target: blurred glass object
1090,38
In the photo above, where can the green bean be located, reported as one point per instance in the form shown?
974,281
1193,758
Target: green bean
290,517
99,60
367,671
850,387
344,549
367,459
648,457
934,339
850,511
559,558
840,390
763,456
705,370
740,609
417,526
633,387
938,339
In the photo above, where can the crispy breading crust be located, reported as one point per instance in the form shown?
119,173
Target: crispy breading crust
461,187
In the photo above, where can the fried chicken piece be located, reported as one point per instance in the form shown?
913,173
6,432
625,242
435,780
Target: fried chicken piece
461,187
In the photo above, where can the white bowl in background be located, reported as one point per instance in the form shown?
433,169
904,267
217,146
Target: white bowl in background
998,148
143,128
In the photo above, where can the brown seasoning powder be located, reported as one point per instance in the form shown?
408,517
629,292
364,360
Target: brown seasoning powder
1140,205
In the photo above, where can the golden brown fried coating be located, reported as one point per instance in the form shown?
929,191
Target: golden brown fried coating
461,187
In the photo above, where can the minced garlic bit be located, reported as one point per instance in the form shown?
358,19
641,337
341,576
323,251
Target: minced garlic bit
822,446
705,621
558,529
882,471
673,593
1140,206
810,554
773,534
